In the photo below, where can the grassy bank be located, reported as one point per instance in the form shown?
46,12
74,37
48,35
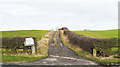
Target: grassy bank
43,44
99,34
84,54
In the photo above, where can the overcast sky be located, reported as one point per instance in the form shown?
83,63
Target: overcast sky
48,14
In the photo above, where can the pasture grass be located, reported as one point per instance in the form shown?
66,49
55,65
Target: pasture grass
100,33
28,33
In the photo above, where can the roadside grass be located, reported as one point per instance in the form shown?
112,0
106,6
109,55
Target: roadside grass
100,33
43,44
87,55
8,58
20,56
28,33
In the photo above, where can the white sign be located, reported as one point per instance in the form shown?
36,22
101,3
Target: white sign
29,41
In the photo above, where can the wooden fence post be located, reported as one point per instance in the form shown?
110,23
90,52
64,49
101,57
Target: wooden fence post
33,49
94,52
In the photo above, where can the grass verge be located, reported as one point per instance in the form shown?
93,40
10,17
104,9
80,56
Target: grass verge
43,44
8,58
86,55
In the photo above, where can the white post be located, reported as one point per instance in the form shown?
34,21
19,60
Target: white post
33,49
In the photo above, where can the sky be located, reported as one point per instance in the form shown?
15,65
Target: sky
52,14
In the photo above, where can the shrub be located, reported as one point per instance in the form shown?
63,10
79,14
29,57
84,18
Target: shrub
83,42
102,45
14,43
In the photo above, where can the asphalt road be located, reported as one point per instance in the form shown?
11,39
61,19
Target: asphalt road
60,55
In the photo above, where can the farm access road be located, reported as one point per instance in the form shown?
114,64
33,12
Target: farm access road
60,55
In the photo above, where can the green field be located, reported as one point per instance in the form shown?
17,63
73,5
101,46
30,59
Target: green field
29,33
99,33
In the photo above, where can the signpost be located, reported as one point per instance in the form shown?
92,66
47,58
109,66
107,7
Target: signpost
30,42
